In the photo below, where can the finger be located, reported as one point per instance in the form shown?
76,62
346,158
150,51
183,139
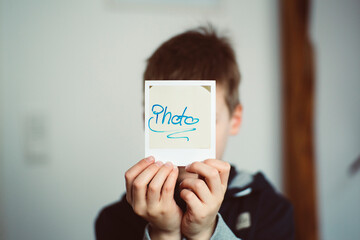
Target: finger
167,192
133,172
140,184
223,168
154,188
211,175
197,186
193,202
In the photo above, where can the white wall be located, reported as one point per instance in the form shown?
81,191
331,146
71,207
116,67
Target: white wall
336,35
71,102
2,203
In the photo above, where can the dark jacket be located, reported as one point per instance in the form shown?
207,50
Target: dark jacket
252,209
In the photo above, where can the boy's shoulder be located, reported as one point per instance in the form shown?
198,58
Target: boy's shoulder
243,183
118,221
252,208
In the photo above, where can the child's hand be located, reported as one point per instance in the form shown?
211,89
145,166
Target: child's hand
150,191
203,197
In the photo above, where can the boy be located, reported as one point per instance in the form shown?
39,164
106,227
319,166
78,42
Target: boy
208,199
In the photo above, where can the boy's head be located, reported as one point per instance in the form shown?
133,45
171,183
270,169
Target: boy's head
201,54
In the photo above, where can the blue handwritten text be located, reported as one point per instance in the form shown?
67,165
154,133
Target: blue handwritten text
162,116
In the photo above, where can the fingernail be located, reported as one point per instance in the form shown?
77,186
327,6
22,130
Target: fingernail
187,166
169,164
159,163
149,159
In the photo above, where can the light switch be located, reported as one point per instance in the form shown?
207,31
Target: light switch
36,139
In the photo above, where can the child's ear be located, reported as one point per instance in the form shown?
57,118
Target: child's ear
236,120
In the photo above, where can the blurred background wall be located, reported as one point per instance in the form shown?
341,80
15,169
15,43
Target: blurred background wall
71,113
71,101
336,38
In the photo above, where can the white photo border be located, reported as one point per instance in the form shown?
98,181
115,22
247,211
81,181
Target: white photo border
180,156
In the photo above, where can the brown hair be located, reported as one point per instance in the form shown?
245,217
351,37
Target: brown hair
197,54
